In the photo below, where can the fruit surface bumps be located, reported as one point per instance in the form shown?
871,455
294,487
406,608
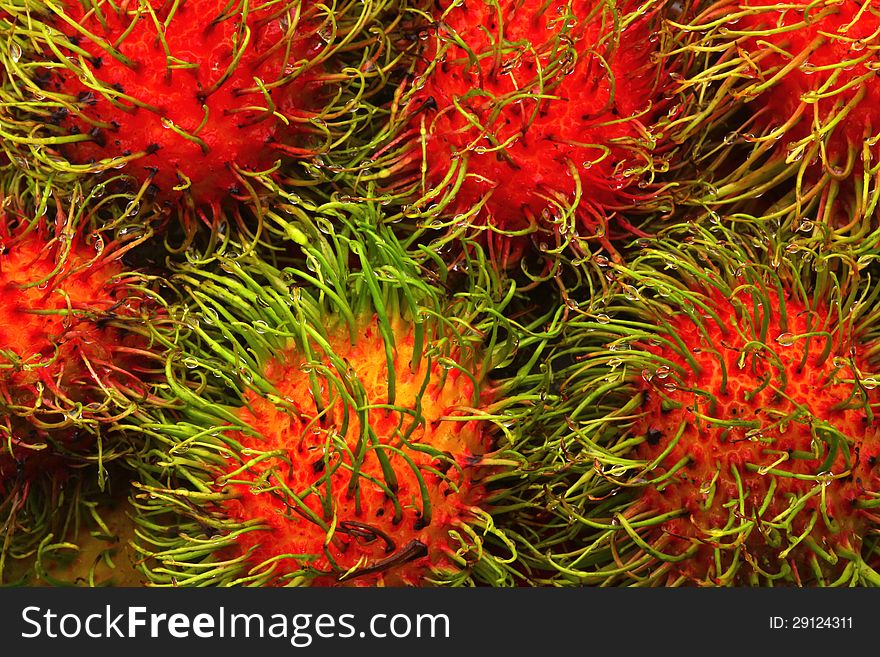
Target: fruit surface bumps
373,523
548,106
220,90
767,445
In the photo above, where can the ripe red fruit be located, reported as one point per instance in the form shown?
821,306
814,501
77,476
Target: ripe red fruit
192,96
813,66
780,116
66,361
340,498
537,114
719,407
763,452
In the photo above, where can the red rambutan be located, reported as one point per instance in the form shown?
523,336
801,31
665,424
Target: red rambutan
768,450
338,422
527,114
70,357
731,436
814,68
198,102
365,500
781,115
196,91
76,359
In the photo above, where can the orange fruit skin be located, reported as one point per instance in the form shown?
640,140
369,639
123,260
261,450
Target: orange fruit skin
822,386
368,530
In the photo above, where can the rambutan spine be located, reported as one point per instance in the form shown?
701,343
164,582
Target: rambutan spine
779,118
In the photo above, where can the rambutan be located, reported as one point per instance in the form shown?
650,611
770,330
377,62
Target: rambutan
198,102
732,436
362,448
71,355
782,109
348,496
75,358
527,115
821,74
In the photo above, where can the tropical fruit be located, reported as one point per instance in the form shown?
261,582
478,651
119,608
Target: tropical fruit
779,116
74,352
76,357
729,432
362,448
201,104
528,117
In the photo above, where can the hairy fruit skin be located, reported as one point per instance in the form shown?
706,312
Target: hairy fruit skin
779,117
767,456
819,69
381,532
61,351
552,113
144,101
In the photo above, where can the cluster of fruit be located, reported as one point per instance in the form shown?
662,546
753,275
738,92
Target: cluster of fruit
439,292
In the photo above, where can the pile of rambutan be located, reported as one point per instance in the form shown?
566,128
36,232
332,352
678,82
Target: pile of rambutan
439,293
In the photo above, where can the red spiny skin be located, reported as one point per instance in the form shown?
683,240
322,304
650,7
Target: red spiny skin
841,40
236,133
822,385
367,535
53,335
580,130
